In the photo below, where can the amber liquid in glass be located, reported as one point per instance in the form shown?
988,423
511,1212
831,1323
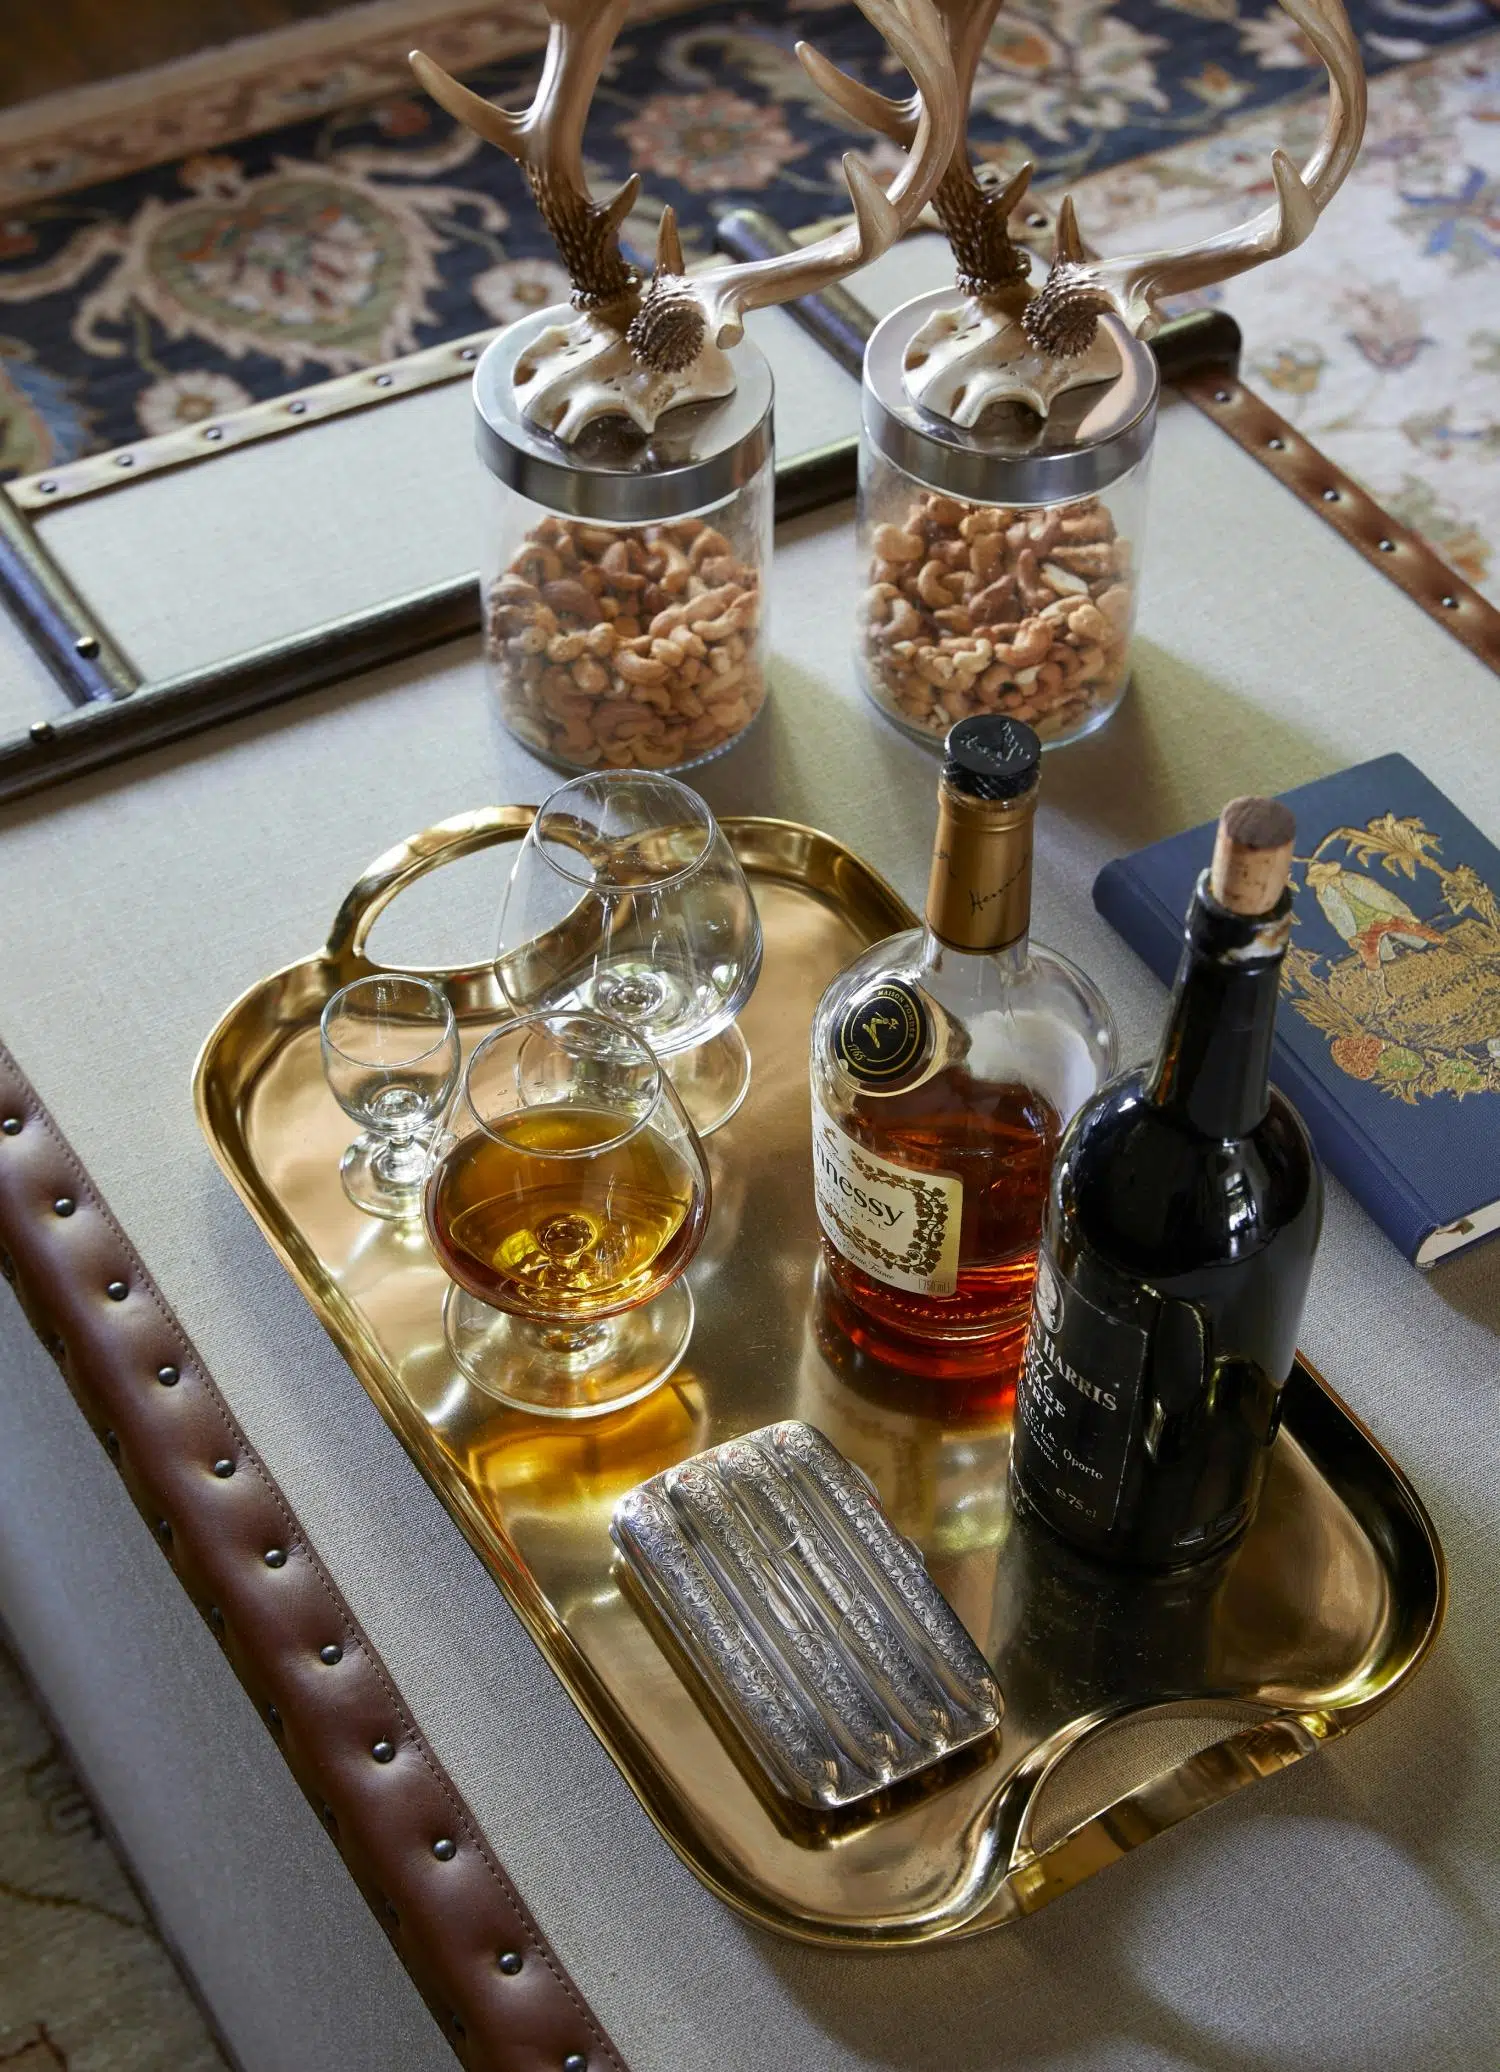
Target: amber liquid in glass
552,1237
1000,1141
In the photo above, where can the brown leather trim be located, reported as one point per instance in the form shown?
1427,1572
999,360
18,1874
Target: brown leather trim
407,1837
1398,553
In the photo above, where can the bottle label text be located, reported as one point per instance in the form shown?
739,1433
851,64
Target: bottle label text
1076,1397
898,1225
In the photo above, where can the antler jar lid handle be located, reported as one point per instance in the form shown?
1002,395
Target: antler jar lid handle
1003,338
613,472
625,350
1091,437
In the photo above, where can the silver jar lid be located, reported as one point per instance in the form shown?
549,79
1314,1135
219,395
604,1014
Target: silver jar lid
1011,456
698,454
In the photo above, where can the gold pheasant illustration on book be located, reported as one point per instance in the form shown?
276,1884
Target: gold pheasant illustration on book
1414,1007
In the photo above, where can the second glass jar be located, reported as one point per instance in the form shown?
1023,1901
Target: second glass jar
999,567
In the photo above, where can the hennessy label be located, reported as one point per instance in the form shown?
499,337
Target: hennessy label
1075,1400
894,1223
882,1033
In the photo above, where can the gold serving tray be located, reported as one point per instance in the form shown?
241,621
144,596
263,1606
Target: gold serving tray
1130,1702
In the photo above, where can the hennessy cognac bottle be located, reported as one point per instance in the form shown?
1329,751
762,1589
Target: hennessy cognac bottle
945,1065
1177,1247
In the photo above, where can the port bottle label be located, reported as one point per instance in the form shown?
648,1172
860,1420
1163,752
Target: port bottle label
1076,1397
898,1225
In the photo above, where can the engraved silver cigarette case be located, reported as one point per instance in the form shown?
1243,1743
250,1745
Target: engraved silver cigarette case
810,1620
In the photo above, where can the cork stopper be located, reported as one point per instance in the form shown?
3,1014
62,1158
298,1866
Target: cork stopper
1252,855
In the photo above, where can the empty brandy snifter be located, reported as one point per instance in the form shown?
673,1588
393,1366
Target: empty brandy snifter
391,1058
626,898
565,1195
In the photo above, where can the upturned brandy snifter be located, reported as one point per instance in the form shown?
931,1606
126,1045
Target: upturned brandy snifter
565,1195
626,898
391,1059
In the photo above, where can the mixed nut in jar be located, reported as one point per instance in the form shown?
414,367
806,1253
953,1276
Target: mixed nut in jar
624,574
999,564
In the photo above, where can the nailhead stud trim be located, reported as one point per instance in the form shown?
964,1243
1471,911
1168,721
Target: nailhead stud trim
41,1179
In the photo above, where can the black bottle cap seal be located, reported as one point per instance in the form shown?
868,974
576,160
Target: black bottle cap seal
991,756
883,1033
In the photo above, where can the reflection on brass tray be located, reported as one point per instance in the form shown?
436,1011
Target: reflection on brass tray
1317,1618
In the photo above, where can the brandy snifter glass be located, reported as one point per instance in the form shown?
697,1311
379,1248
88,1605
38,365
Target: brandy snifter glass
391,1059
626,898
565,1196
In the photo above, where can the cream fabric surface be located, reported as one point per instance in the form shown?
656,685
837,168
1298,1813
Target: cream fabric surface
1339,1919
265,540
273,538
28,690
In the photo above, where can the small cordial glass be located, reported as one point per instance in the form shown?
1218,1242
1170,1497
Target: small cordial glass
565,1196
626,898
391,1058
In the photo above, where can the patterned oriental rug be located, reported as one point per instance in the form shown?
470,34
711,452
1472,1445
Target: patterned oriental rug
194,285
1380,339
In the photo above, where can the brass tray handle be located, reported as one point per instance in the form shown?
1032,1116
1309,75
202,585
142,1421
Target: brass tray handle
391,872
1215,1773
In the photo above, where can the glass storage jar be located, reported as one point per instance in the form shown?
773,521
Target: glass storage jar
624,576
998,567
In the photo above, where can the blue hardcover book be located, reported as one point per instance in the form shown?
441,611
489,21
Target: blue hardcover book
1388,1033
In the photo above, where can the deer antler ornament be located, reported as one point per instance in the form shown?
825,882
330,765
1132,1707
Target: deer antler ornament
638,352
1010,341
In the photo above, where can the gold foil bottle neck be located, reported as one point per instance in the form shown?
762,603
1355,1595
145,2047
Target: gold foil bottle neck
979,892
